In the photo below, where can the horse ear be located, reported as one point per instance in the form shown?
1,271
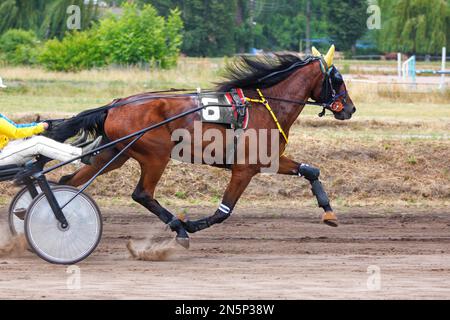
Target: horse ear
330,56
315,52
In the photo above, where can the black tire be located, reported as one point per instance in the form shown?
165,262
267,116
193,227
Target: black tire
43,231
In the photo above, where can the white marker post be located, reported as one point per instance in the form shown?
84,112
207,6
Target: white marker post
444,58
409,70
399,66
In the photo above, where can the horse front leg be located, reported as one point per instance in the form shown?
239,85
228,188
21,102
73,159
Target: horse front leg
290,167
240,178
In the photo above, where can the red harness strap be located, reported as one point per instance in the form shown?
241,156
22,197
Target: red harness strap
243,101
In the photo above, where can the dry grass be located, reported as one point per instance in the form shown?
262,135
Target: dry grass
398,93
379,67
189,71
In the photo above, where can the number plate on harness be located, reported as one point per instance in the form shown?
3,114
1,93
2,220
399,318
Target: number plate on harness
224,109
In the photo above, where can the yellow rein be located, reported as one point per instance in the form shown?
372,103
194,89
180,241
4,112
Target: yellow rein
266,104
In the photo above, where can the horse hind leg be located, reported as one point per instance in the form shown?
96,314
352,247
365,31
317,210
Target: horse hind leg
81,176
241,177
144,195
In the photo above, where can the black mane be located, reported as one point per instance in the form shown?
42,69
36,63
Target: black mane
261,71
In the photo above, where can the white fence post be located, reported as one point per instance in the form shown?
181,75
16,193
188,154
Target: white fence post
444,58
399,65
409,69
404,70
2,85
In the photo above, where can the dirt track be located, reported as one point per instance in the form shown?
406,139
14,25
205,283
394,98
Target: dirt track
267,254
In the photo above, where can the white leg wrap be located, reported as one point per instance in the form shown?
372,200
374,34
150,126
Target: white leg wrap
225,209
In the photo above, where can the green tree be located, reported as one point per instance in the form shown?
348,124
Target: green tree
245,32
47,18
279,25
21,14
266,24
415,26
55,21
347,22
211,26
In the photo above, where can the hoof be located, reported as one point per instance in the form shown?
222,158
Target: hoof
330,219
184,242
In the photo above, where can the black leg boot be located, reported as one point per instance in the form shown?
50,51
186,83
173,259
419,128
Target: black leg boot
312,175
198,225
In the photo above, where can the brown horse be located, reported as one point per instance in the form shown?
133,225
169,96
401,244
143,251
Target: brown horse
285,79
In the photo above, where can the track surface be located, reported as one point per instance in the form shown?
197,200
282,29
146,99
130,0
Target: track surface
257,254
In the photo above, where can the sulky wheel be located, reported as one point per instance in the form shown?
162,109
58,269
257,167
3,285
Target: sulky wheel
21,201
63,246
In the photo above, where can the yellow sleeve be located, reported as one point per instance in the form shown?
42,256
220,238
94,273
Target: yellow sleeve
12,132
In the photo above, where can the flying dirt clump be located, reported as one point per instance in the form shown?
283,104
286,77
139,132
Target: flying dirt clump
11,246
152,251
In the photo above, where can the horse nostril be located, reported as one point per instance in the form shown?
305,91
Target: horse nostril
354,110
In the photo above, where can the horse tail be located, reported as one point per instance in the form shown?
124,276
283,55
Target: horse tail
89,121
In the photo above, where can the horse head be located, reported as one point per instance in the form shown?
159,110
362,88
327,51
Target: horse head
331,90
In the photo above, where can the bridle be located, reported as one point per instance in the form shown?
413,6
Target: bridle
328,94
329,99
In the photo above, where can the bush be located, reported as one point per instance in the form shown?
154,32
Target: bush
141,36
136,37
77,51
19,47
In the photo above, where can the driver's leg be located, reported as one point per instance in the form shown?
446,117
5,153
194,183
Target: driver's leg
20,152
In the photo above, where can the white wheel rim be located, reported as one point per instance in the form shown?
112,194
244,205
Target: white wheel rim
63,246
23,202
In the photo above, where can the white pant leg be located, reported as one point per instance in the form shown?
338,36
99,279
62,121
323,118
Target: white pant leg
21,151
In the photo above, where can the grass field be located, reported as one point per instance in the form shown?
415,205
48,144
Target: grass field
395,150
